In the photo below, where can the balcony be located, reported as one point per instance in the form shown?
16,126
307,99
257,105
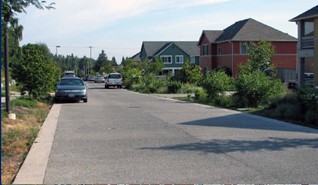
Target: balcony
307,42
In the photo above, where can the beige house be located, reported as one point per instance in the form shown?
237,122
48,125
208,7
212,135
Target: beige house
307,45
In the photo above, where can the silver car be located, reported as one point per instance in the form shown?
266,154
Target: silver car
114,80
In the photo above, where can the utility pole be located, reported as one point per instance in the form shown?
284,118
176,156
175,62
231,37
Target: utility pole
90,58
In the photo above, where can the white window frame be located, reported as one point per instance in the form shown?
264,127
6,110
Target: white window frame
181,59
166,56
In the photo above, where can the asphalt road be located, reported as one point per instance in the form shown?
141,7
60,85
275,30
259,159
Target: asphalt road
125,137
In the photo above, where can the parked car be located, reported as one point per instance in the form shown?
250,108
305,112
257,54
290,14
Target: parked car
114,80
71,88
99,79
69,74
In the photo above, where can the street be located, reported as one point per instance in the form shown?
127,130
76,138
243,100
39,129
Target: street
125,137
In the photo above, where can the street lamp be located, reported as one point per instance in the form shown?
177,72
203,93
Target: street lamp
56,50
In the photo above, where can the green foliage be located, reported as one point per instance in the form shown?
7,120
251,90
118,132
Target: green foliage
256,87
311,116
260,55
217,82
103,65
153,67
224,101
132,73
200,96
174,86
189,74
36,73
187,88
24,102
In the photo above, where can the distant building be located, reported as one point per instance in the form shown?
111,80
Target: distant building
227,48
172,53
307,44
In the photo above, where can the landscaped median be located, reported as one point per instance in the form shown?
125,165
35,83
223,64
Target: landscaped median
18,135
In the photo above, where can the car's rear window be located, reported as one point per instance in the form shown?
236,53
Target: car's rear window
116,76
71,82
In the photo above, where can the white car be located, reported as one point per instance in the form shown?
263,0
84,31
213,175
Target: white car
114,80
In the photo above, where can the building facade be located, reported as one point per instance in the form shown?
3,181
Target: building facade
228,48
307,62
173,54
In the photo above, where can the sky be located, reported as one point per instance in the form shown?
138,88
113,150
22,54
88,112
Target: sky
120,26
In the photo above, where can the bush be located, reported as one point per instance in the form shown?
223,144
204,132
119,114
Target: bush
217,82
224,101
289,111
174,86
189,88
311,116
256,87
200,96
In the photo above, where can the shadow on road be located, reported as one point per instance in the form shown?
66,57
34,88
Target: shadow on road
227,146
247,121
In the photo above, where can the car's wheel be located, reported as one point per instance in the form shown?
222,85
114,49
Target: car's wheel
120,86
85,100
106,87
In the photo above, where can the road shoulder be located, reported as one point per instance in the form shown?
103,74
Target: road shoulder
34,166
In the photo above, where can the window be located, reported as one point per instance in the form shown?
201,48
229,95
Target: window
179,59
219,49
205,49
244,47
166,59
192,60
308,29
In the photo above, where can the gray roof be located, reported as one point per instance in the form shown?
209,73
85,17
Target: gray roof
307,15
211,35
136,57
252,30
152,48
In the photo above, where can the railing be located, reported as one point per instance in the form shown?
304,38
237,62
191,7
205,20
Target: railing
307,42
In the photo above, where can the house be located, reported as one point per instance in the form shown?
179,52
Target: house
136,57
228,48
172,53
307,44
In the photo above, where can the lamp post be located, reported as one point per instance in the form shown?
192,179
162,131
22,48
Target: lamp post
56,50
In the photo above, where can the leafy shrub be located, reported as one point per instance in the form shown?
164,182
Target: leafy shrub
187,88
174,86
200,96
311,116
224,101
217,82
256,87
289,111
308,98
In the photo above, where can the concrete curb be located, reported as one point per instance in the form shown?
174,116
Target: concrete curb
34,166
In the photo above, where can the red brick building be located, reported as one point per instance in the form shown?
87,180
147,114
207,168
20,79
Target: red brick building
227,48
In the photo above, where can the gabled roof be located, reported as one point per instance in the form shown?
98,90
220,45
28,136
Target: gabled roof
153,48
307,15
211,35
252,30
136,57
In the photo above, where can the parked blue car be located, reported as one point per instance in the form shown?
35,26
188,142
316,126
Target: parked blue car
71,89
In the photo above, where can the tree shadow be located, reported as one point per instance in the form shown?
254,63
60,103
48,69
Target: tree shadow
217,146
248,121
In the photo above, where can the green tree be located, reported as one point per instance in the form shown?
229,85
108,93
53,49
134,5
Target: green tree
260,55
190,73
217,82
37,73
153,67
